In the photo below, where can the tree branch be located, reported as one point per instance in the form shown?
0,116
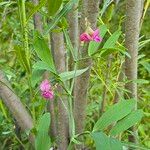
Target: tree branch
15,106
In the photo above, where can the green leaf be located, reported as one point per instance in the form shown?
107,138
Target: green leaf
58,17
103,142
22,58
6,3
146,65
43,51
93,46
106,4
103,30
36,8
127,122
71,74
40,65
53,6
143,43
36,77
69,44
112,39
42,139
114,113
110,12
141,81
106,51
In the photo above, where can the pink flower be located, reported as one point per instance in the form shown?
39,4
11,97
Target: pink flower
46,90
85,37
96,37
91,35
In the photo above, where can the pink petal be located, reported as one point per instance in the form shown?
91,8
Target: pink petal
48,94
85,37
96,33
45,85
97,39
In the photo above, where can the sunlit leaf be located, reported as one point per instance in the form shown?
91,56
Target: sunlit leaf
36,77
114,113
43,51
42,139
53,6
58,17
103,142
93,46
127,122
112,39
36,8
71,74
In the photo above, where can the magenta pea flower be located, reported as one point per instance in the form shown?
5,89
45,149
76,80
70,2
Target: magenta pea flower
91,35
85,37
46,90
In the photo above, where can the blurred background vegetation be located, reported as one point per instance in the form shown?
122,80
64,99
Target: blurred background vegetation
10,35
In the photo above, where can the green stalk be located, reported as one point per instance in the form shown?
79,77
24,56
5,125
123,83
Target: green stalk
24,28
4,112
25,40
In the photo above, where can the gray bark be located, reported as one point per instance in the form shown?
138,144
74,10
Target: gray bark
90,10
15,106
73,26
59,57
73,31
132,28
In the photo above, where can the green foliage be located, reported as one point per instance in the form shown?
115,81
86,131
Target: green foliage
42,140
103,142
43,51
58,17
93,46
53,6
114,113
35,9
22,58
106,4
71,74
104,83
110,43
36,77
127,122
40,65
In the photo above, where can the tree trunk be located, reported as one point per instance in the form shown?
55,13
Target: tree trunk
132,28
59,57
73,31
15,106
90,10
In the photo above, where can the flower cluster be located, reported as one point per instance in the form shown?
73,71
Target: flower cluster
91,35
46,89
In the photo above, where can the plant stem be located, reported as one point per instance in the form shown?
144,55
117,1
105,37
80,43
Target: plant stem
25,40
25,31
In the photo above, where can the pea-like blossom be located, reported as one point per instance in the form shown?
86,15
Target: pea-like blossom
46,89
91,35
